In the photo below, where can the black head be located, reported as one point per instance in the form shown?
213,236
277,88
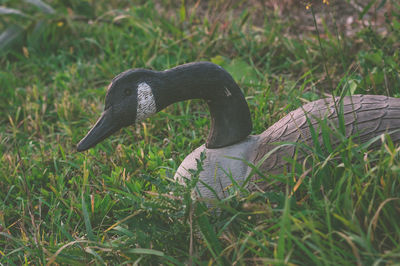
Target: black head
136,94
129,99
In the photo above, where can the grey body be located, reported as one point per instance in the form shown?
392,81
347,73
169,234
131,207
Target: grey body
365,116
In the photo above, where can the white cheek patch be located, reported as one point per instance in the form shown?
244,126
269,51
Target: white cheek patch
146,105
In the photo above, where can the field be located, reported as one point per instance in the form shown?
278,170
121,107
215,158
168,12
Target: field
118,203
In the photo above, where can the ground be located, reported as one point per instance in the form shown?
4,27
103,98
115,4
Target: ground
117,203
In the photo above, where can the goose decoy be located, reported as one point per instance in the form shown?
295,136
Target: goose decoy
137,94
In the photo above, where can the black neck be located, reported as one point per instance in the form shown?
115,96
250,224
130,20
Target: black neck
230,115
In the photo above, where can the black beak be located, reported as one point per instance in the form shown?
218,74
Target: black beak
104,127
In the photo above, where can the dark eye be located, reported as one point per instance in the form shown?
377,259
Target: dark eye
127,92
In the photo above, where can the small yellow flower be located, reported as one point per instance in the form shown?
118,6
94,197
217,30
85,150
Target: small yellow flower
60,24
308,4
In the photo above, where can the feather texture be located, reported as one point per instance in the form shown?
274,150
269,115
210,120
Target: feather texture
365,117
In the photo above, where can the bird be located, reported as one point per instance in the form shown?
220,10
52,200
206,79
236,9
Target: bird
230,148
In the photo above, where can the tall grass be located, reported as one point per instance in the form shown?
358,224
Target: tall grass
117,203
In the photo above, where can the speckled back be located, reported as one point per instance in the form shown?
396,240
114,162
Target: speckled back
365,116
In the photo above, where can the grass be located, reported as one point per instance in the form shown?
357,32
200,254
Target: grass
117,203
